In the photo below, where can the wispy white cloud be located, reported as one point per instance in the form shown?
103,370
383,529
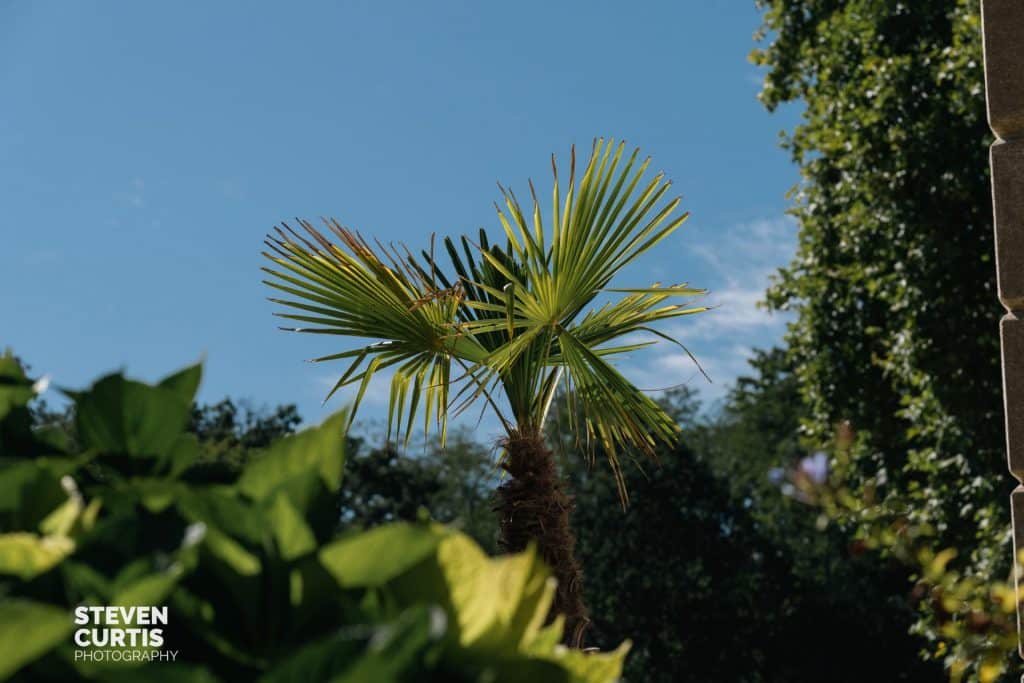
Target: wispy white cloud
742,260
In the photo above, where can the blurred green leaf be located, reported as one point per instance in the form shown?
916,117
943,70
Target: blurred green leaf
294,537
125,417
182,454
377,556
185,382
296,463
151,590
61,521
85,584
27,631
223,509
27,555
232,553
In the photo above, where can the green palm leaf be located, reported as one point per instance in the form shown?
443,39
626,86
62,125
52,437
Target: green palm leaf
356,292
518,321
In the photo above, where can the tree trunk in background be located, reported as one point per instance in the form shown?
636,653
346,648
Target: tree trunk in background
533,506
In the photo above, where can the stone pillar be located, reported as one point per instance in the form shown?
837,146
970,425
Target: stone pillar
1003,31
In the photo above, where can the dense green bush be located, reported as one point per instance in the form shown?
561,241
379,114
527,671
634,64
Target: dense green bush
257,583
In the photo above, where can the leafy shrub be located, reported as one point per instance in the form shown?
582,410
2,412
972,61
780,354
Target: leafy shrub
973,617
257,584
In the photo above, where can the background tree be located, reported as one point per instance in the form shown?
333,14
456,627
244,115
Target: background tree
232,432
453,483
721,562
893,282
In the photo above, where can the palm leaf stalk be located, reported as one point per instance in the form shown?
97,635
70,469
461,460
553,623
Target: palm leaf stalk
509,326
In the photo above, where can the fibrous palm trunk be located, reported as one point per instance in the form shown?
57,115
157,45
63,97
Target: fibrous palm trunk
534,506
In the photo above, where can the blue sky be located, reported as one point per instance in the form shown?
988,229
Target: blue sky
147,148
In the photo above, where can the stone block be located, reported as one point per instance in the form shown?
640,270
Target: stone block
1011,330
1008,209
1003,29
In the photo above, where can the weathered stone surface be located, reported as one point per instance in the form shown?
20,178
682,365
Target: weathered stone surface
1012,332
1003,25
1003,29
1008,208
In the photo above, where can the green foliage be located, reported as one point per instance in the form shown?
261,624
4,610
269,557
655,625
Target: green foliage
258,584
893,281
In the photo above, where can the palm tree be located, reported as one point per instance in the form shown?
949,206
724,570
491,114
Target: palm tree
508,326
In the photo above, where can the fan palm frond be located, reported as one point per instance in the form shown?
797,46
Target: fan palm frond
352,290
519,320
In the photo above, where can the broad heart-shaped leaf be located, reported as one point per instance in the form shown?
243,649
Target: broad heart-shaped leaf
29,630
125,417
501,602
185,382
373,558
28,555
297,463
497,605
497,608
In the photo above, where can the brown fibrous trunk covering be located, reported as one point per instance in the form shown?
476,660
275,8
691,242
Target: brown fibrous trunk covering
533,506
